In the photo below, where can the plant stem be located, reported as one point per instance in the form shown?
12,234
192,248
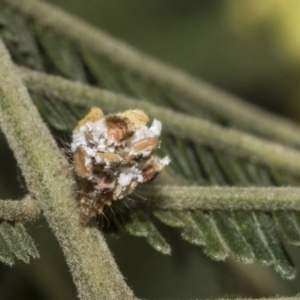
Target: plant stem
25,210
181,125
46,173
225,198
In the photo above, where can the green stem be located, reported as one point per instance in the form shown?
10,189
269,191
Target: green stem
211,99
25,210
46,173
181,125
224,198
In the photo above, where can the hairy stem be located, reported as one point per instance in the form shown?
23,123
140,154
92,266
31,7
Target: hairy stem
219,103
45,170
25,210
225,198
181,125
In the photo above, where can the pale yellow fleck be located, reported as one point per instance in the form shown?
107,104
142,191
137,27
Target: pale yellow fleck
136,116
95,114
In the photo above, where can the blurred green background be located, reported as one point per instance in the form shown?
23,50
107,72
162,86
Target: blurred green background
250,48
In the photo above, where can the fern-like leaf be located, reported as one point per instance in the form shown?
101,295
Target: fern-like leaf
205,147
15,243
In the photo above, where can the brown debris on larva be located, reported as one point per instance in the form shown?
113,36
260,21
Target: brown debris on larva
112,155
118,128
144,147
83,168
150,172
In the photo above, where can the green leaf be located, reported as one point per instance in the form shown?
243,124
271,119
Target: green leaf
61,56
191,231
287,224
233,237
16,243
282,262
13,242
20,39
6,256
215,247
251,231
169,218
143,227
